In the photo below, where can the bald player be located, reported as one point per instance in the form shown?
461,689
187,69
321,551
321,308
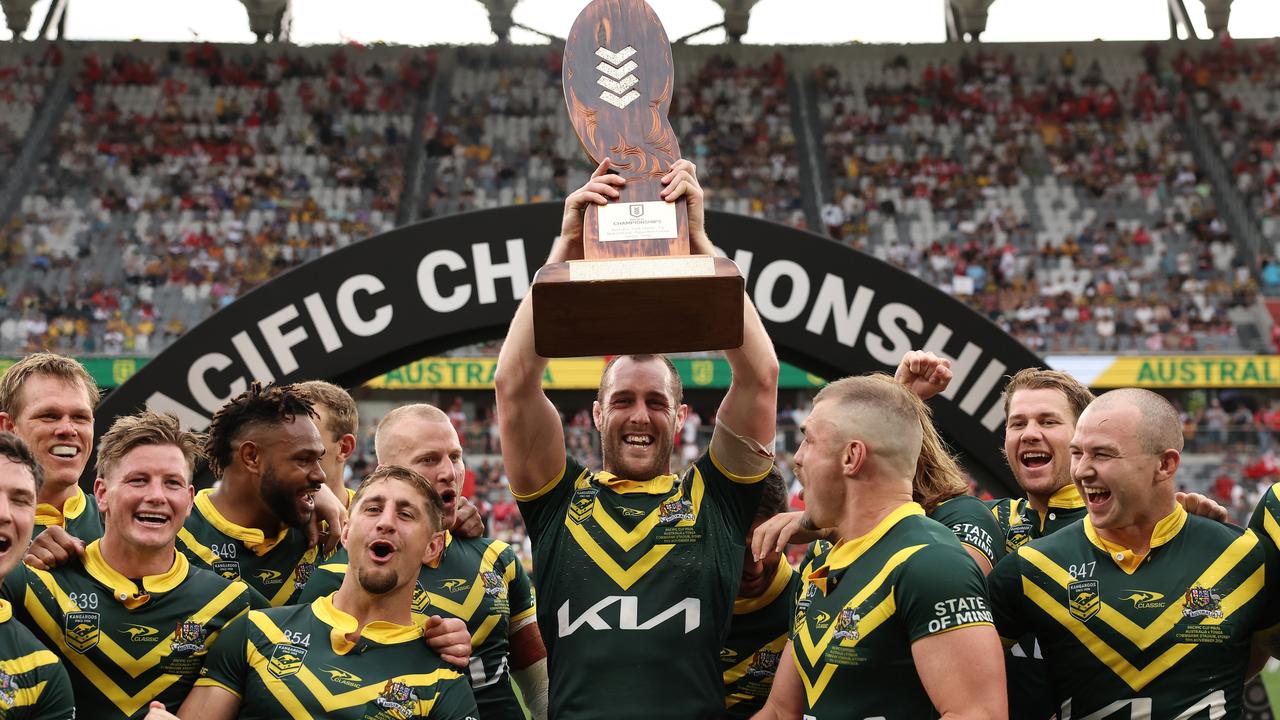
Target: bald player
1141,607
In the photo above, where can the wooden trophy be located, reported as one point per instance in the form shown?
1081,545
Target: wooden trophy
638,290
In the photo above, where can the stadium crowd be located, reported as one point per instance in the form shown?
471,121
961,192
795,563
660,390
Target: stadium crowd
1056,194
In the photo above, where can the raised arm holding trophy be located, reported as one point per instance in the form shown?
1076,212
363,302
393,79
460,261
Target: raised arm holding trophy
636,567
618,83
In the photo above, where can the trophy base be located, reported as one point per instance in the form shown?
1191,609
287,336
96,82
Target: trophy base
630,306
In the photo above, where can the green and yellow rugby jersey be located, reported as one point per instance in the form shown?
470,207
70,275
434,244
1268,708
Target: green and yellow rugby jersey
1161,635
79,516
973,524
276,568
867,601
1265,520
33,683
1030,692
481,582
296,662
1020,523
124,644
757,635
638,575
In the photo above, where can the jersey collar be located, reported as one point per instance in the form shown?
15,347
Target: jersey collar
448,540
6,611
124,590
341,624
1066,496
49,516
781,577
253,538
1128,560
660,485
846,552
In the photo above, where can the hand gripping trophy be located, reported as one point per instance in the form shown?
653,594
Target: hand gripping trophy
618,84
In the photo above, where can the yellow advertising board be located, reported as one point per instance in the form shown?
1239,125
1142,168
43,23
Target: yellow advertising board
472,373
1190,371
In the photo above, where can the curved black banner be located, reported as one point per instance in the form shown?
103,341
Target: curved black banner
429,287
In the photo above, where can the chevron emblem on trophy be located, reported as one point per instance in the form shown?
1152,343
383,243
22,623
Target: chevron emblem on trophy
616,77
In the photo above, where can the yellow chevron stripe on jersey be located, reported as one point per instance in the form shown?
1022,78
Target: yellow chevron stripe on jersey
28,662
322,695
867,625
1142,637
486,627
197,547
1270,525
126,662
126,702
626,577
1138,678
736,672
813,651
468,606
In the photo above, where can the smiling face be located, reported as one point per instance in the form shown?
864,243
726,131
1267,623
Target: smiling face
638,418
1119,479
290,455
55,419
389,536
17,512
1036,439
146,496
430,449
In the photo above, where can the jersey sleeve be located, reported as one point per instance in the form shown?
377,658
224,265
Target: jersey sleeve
14,587
56,700
227,665
454,700
1005,586
1263,522
739,495
519,587
543,508
941,589
973,525
324,580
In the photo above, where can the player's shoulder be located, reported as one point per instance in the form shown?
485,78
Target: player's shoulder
17,641
281,616
1203,532
962,508
1065,542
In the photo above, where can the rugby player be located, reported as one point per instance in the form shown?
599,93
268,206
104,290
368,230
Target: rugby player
48,400
762,614
889,613
1142,607
337,418
478,580
636,568
133,622
356,653
33,683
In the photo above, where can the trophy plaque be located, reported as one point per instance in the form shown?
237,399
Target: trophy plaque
637,290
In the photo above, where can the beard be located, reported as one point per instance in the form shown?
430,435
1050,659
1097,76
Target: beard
283,501
378,582
613,449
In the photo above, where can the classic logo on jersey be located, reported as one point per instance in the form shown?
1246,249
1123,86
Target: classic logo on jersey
630,512
493,584
846,626
8,690
302,573
286,659
821,620
455,585
342,677
1145,599
141,633
421,600
188,638
229,569
1200,602
269,577
763,664
728,654
399,700
580,508
1083,600
81,630
674,510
